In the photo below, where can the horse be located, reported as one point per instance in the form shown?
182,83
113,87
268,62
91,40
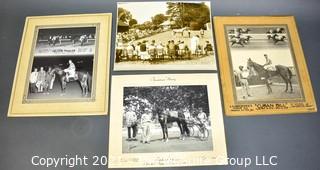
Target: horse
83,77
277,39
179,31
165,118
240,41
53,40
247,39
82,39
277,30
243,30
283,71
272,36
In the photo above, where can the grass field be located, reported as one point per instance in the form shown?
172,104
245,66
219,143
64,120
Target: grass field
260,93
173,145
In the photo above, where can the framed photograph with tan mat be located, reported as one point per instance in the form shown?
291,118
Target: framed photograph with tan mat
63,66
262,66
166,120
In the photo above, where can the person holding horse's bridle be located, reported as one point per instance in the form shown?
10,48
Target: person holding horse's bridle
243,77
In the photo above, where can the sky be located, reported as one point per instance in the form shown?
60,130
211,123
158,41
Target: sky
278,56
143,11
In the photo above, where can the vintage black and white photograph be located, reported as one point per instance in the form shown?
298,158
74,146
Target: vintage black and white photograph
166,119
264,68
63,63
63,66
164,35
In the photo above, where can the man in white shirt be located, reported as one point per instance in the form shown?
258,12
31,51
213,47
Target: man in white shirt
194,44
202,116
131,122
33,80
243,78
146,120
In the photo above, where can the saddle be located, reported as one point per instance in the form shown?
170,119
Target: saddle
73,77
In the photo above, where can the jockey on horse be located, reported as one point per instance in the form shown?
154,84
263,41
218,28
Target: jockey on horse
268,66
71,71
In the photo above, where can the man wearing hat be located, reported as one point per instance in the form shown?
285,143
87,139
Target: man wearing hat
131,122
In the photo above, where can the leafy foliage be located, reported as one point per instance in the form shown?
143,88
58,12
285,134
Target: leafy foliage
158,19
124,15
162,97
184,13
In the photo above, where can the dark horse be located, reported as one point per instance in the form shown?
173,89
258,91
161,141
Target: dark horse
84,78
165,118
283,71
82,39
240,41
53,40
279,39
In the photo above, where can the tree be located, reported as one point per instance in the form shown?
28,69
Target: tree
172,97
184,13
124,15
133,22
158,19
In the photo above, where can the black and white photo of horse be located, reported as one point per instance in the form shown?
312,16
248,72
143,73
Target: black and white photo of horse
63,64
264,69
179,116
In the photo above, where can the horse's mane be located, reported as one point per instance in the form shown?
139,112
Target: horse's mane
255,64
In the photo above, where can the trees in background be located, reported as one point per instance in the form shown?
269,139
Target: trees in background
193,15
162,97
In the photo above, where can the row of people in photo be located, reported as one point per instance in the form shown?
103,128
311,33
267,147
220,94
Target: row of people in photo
146,50
41,80
146,120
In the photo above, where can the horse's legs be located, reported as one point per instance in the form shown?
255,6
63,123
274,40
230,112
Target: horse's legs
291,89
164,131
286,85
63,85
181,130
268,86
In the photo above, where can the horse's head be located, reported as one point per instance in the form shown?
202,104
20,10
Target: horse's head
251,67
283,37
250,63
56,69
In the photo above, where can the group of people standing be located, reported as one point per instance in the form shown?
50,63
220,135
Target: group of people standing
41,81
145,121
152,50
